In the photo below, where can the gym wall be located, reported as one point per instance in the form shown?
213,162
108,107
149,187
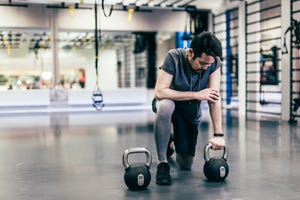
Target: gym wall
263,32
263,68
226,29
219,29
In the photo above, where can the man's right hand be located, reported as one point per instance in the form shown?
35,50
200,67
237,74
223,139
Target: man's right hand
209,94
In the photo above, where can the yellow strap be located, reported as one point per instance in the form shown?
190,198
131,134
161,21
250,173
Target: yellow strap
130,13
71,10
8,49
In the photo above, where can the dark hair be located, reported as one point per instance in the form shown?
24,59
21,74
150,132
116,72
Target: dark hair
206,42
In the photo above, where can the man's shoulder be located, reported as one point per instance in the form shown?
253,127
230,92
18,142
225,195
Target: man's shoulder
178,51
177,54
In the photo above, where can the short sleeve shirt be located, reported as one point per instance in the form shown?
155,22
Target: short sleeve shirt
186,79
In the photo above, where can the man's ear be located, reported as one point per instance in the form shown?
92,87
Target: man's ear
190,53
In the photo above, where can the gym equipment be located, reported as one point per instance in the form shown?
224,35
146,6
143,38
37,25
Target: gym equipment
215,169
294,111
97,96
110,10
137,176
295,29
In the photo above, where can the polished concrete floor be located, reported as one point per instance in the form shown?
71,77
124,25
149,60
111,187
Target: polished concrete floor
78,156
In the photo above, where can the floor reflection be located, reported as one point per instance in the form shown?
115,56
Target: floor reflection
78,155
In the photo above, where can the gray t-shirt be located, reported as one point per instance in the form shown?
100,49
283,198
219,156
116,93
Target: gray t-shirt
186,79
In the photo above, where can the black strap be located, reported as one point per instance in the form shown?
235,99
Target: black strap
218,134
110,11
96,40
97,95
285,49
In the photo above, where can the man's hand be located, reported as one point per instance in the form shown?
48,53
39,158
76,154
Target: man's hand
217,143
209,94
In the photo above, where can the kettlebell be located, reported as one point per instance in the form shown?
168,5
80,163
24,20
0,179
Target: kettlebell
215,169
137,176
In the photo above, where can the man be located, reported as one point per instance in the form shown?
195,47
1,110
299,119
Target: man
187,77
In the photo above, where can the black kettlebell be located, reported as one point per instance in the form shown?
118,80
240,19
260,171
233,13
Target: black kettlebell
215,169
137,176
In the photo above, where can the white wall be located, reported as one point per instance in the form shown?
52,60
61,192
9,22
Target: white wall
22,60
31,17
108,69
162,48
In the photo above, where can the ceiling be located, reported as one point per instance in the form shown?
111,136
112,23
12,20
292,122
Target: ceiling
152,4
14,39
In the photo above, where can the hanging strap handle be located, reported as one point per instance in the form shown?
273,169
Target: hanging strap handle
285,49
110,11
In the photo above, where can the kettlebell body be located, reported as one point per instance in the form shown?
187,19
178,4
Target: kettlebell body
137,176
215,169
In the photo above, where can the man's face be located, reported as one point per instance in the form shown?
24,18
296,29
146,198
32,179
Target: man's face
202,63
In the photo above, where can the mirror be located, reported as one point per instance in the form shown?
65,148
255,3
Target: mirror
26,59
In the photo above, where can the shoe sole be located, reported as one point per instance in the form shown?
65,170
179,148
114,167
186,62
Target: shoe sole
163,183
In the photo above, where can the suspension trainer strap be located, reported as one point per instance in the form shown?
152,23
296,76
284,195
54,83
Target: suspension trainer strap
96,41
97,94
110,11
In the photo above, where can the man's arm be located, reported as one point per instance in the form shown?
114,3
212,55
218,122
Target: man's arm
163,91
215,109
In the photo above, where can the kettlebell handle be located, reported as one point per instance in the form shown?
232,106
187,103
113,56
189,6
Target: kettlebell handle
209,146
136,150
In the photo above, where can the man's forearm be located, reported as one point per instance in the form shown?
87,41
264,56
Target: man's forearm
175,95
215,110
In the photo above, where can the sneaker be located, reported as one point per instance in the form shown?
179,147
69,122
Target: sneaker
170,149
163,174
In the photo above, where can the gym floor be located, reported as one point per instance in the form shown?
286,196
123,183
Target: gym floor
78,156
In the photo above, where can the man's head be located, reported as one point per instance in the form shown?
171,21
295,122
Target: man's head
204,49
208,43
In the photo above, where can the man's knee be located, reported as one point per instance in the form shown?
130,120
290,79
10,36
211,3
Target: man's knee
165,107
184,161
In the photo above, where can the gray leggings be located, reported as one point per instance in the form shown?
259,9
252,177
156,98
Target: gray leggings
162,126
162,130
